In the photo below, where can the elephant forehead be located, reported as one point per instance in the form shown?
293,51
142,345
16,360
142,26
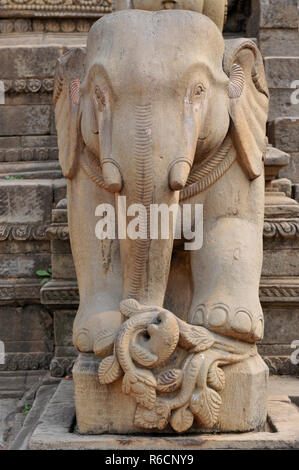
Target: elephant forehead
154,43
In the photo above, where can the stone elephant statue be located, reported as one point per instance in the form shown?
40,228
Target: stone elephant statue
162,117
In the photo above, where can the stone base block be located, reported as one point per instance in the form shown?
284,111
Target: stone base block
55,430
106,409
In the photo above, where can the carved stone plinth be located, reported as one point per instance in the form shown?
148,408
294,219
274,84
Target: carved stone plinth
105,409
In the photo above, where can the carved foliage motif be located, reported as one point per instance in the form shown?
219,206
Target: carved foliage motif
143,349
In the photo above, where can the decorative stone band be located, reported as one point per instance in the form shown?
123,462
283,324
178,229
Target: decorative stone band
61,366
166,394
50,25
56,8
281,228
274,291
57,232
60,292
26,361
66,292
28,154
29,85
19,290
22,232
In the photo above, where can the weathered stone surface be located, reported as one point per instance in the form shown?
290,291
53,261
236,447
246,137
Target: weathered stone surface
19,382
284,185
283,386
7,407
283,133
63,328
281,325
23,266
281,71
59,188
279,42
26,329
25,120
283,263
296,190
292,171
44,394
24,247
25,202
281,104
28,62
278,14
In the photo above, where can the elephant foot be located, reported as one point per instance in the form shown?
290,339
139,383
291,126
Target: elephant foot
98,333
240,320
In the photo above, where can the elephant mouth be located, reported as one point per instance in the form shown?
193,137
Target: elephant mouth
204,138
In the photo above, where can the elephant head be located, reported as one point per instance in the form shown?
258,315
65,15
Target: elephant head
155,94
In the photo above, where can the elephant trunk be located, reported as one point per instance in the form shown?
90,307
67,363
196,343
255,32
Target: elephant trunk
152,173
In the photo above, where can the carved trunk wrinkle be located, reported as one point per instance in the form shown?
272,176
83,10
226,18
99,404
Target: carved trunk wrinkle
144,193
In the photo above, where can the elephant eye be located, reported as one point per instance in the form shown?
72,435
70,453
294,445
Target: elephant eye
100,97
198,90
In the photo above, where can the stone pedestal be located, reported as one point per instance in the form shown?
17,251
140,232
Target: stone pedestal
106,409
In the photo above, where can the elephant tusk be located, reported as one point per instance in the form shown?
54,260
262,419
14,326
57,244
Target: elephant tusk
112,177
178,175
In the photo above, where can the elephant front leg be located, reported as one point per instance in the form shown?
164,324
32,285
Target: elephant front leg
226,274
226,270
98,268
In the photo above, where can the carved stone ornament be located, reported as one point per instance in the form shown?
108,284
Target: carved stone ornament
159,117
71,8
178,395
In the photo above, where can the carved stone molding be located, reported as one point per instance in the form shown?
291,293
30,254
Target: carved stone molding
26,361
60,292
281,365
22,232
61,366
283,228
276,291
29,85
52,25
66,292
58,232
56,8
29,290
28,154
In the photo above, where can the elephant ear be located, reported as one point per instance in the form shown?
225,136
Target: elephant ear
249,100
68,74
